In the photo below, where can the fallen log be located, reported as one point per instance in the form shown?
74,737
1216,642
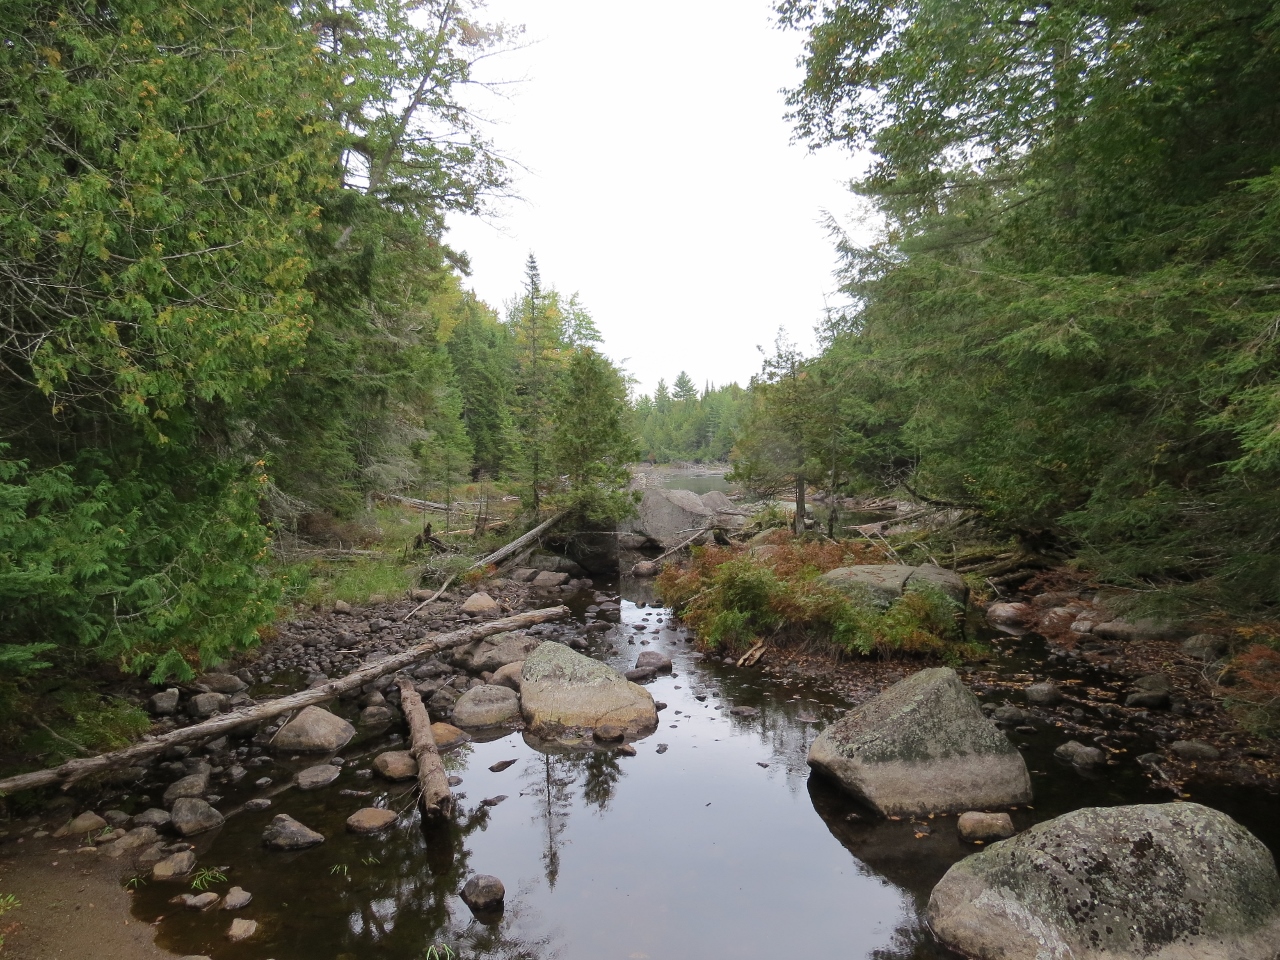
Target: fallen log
79,768
433,783
681,546
514,546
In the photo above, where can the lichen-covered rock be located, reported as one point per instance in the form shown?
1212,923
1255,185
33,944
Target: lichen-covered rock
884,583
560,688
314,730
486,706
922,746
494,652
1173,881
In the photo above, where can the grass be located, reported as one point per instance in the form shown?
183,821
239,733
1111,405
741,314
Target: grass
735,596
205,877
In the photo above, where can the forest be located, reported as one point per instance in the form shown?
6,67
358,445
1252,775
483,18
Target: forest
231,311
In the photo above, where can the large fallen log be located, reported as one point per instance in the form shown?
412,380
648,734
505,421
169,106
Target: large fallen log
433,783
81,767
515,545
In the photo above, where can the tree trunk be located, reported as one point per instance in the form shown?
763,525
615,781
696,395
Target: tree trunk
799,525
433,783
73,770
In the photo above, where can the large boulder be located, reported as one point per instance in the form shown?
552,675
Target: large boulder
884,583
560,689
922,746
669,517
494,652
486,706
314,730
1172,881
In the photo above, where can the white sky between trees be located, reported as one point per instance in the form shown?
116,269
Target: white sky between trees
660,181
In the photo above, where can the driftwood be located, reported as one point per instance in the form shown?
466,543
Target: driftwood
73,770
515,545
433,783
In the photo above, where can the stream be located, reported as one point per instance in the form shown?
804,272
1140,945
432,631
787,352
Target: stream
713,841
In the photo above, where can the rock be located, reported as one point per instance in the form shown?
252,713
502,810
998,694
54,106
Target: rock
258,803
164,703
1044,694
1078,755
87,822
523,574
237,898
669,517
286,833
207,704
500,766
395,765
135,839
547,579
973,826
484,894
609,733
1138,630
494,652
193,785
508,676
922,746
447,736
480,604
314,730
718,501
375,716
200,901
341,606
641,674
653,660
744,711
1206,646
1008,613
560,688
153,817
222,683
645,569
1195,750
1009,714
321,775
1174,881
884,583
174,867
370,820
486,706
1150,692
191,816
241,929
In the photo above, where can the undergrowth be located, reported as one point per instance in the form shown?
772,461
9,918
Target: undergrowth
1255,696
733,596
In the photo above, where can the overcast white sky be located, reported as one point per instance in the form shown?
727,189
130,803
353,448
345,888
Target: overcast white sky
661,181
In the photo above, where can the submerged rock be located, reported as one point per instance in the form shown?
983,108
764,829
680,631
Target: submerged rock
486,706
314,730
560,689
922,746
1174,881
370,820
974,826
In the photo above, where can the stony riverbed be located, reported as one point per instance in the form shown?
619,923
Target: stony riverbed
711,840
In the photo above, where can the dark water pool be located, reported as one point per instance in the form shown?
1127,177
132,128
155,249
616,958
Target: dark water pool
720,846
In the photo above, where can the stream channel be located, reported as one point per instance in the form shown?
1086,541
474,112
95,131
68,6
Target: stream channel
712,842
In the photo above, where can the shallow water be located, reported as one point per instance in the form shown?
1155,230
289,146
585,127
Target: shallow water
721,846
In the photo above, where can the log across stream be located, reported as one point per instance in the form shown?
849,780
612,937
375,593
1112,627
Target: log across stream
712,841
